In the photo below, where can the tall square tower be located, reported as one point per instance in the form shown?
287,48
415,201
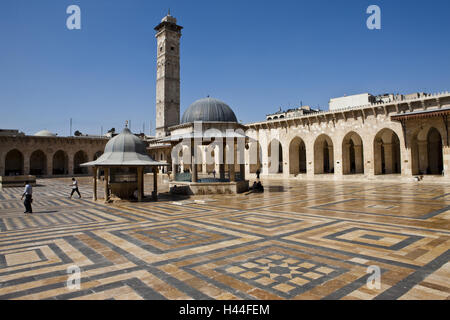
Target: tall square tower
168,35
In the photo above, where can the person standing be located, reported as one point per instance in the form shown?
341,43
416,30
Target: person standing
75,188
28,192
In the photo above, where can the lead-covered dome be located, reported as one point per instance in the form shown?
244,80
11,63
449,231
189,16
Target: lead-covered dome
208,109
126,142
125,149
44,133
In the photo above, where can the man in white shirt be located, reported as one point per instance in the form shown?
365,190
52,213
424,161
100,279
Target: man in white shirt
75,188
28,192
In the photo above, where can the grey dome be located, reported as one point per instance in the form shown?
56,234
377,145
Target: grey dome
208,109
44,133
126,142
125,149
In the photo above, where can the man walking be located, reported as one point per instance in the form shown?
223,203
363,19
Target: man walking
75,188
28,197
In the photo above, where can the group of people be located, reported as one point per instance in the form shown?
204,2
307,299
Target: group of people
28,194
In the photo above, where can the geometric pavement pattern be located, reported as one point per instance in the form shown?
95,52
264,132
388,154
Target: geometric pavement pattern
297,240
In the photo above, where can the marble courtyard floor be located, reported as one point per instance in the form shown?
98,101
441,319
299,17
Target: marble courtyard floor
298,240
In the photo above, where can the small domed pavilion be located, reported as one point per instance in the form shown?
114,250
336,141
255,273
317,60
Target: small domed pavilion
212,124
123,163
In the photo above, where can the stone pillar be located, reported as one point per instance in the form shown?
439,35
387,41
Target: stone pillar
222,163
155,184
423,156
232,172
194,168
446,160
26,163
2,163
140,176
285,164
232,165
242,169
406,161
94,183
70,164
359,159
106,184
49,165
174,170
310,158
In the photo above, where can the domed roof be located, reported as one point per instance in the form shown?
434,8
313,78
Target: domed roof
126,142
44,133
208,109
125,149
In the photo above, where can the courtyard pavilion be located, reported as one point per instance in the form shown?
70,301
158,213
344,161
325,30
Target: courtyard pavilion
209,139
123,162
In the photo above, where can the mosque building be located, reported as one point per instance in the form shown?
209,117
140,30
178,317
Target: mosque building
361,137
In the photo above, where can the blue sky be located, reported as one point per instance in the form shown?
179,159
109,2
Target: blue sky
255,55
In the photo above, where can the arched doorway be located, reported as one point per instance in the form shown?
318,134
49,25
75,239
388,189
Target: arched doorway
60,163
297,156
79,158
323,155
352,154
387,153
435,156
38,163
275,155
14,163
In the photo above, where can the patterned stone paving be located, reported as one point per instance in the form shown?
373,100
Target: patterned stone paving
298,240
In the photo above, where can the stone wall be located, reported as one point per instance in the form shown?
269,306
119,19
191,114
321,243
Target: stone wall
362,141
44,154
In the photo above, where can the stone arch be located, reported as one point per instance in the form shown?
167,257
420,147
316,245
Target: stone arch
275,156
38,163
427,152
323,155
60,163
79,158
14,163
352,154
387,156
297,156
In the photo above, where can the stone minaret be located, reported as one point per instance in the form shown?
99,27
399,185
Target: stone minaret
168,35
